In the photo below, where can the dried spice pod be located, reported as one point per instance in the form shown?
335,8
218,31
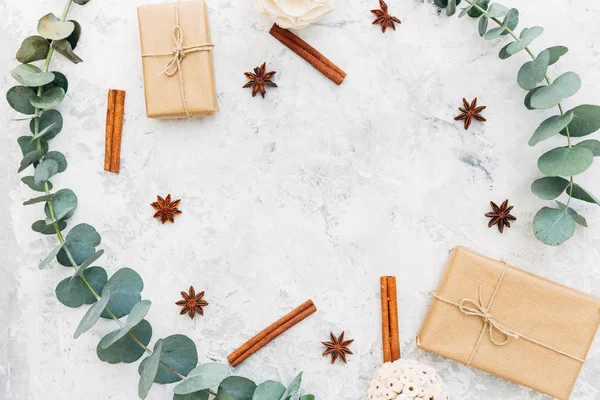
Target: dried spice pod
470,112
337,348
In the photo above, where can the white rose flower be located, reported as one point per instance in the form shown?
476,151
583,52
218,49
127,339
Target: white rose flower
295,14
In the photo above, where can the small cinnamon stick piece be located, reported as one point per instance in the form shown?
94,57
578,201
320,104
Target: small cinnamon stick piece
271,332
390,333
308,53
115,113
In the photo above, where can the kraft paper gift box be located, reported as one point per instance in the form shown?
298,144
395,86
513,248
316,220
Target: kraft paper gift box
510,323
177,60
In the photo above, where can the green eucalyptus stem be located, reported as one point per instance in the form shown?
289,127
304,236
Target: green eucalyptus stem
52,212
474,4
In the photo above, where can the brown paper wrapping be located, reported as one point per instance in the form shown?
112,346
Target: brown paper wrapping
555,315
163,93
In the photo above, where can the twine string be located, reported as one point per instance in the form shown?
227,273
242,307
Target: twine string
477,308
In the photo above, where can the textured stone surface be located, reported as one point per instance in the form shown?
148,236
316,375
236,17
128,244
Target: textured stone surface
313,192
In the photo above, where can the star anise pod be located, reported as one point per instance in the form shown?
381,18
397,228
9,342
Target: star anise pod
192,303
166,209
259,79
384,17
337,347
501,215
470,111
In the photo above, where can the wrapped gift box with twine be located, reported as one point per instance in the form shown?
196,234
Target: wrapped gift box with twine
177,58
503,320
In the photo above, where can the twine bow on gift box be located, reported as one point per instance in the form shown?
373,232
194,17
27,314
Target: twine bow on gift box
178,53
477,308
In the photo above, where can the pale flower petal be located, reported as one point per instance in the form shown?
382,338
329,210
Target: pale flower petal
294,8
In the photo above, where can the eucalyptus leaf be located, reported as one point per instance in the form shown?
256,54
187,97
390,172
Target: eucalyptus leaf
125,350
51,27
476,12
49,99
465,11
528,97
533,72
556,52
81,240
293,387
553,227
19,98
180,353
269,390
31,76
551,127
57,157
580,193
549,96
592,144
451,8
444,3
33,156
201,395
44,171
494,33
40,199
28,180
60,80
236,388
33,48
497,11
65,48
93,314
566,161
308,397
527,36
483,25
511,20
45,229
88,262
148,372
81,2
576,217
137,314
51,121
125,286
204,376
42,133
64,204
50,256
586,120
549,187
75,293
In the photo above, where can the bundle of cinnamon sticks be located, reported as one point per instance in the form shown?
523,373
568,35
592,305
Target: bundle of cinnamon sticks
389,319
271,332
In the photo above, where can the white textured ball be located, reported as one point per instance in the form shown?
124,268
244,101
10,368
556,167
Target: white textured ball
295,14
407,380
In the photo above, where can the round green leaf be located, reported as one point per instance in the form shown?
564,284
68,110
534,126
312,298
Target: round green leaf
47,229
93,314
57,157
566,161
553,227
179,352
443,3
483,25
549,96
592,144
81,2
44,171
125,287
237,388
28,180
475,12
556,52
293,387
51,27
51,120
269,390
308,397
549,187
125,350
551,127
30,75
201,395
148,372
49,99
65,48
60,80
137,314
586,120
511,20
497,11
19,98
64,204
33,156
33,48
533,72
204,376
576,217
76,293
81,240
528,97
580,193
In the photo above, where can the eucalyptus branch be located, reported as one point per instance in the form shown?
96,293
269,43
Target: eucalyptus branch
552,226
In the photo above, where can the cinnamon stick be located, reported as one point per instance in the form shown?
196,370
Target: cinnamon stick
308,53
115,113
390,333
271,332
